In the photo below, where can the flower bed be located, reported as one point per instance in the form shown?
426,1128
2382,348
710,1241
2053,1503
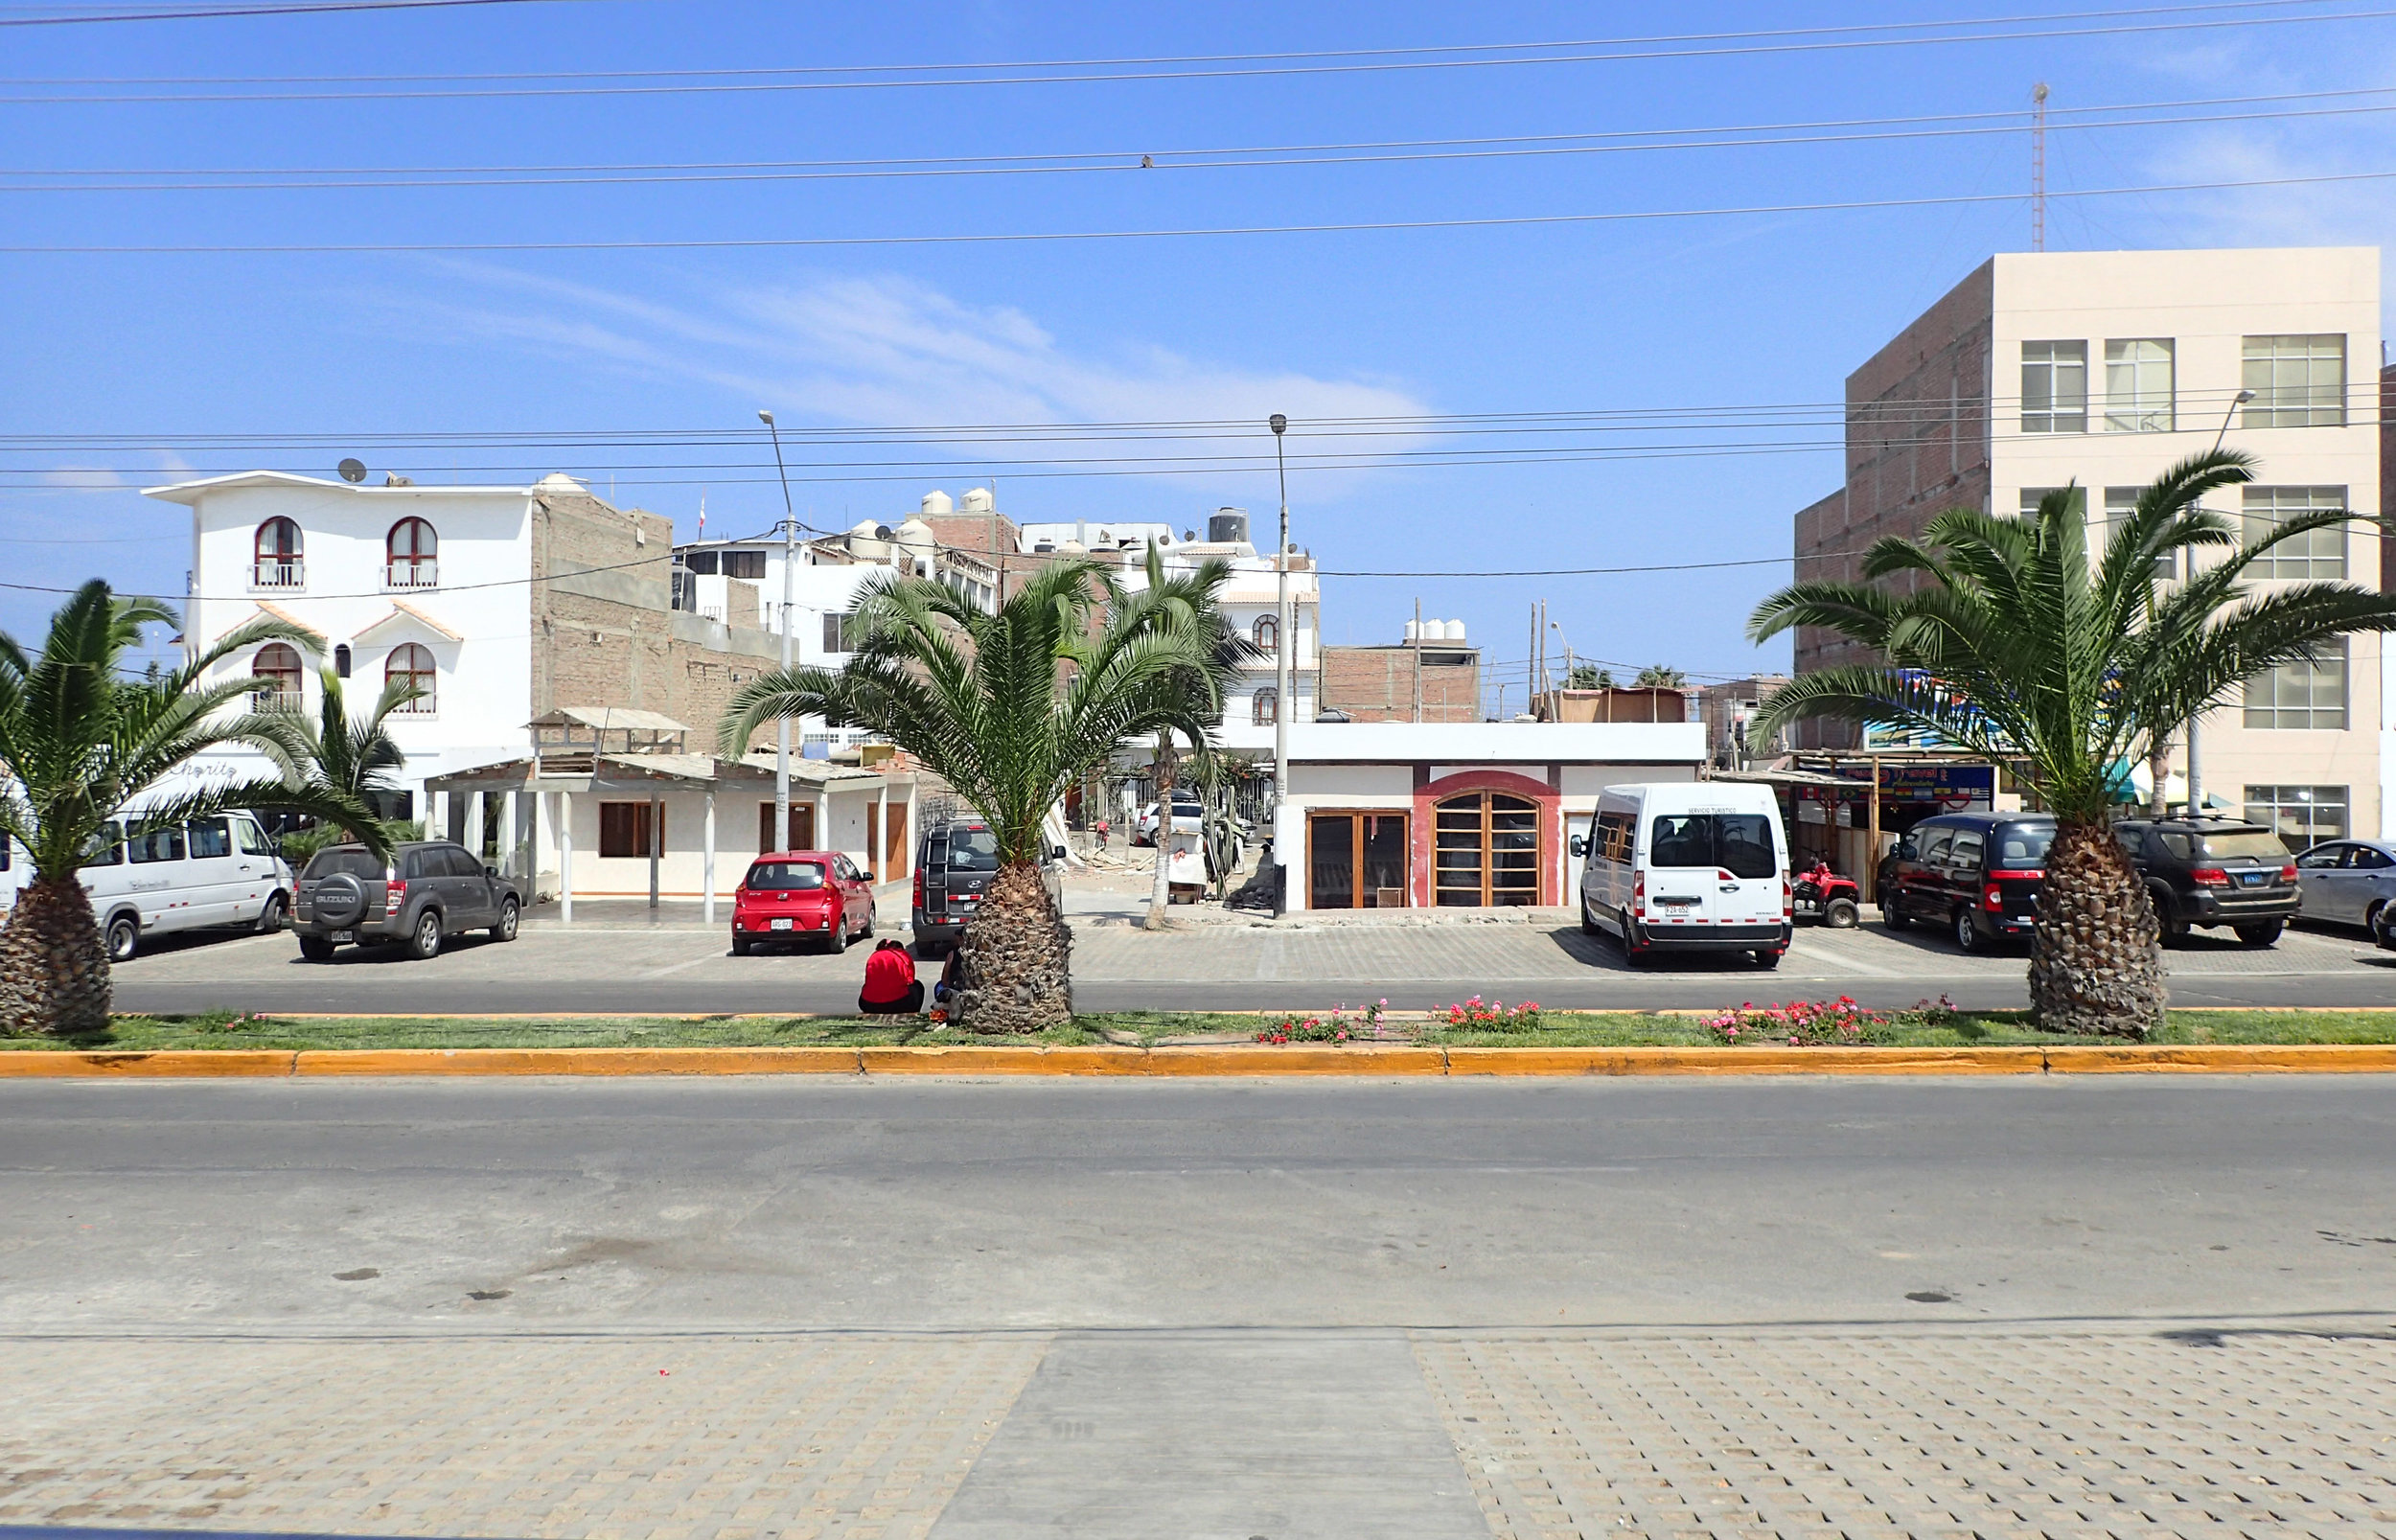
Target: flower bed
1476,1015
1823,1024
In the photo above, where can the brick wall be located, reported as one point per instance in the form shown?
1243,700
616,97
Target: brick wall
1378,684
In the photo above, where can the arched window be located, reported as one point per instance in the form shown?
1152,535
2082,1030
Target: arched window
1267,632
277,670
411,664
278,564
412,550
1264,707
1485,853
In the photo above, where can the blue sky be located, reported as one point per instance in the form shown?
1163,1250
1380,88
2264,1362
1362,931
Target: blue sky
1664,317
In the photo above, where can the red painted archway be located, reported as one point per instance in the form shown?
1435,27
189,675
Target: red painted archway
1428,795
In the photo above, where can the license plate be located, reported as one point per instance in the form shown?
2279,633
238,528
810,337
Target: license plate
1677,902
2254,878
777,925
342,936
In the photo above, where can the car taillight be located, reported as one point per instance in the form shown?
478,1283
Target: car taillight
1788,899
1639,893
2288,873
1992,898
2017,877
920,887
2209,877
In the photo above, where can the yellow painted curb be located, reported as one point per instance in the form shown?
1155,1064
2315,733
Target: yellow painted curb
1759,1060
767,1060
974,1060
2226,1058
1298,1059
103,1063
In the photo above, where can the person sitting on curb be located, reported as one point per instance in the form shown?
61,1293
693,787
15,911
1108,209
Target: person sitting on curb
891,987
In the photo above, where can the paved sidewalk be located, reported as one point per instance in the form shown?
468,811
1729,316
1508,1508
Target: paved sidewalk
1300,1435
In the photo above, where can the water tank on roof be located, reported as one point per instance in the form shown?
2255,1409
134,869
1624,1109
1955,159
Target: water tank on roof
979,501
1414,630
915,543
935,504
1227,526
1454,632
869,542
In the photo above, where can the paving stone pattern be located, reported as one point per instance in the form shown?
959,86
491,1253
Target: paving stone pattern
1991,1436
1717,1435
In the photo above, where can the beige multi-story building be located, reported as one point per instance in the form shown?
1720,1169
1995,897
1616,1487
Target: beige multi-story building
2098,370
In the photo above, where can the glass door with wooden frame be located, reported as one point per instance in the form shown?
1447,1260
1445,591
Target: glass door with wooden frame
1485,851
1356,861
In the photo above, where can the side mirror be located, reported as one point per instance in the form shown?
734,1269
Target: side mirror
490,871
1580,845
1056,852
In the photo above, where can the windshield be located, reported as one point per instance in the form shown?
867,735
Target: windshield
1739,844
784,875
972,850
2021,846
356,862
2244,843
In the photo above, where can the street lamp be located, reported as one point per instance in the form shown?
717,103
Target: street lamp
2196,774
782,725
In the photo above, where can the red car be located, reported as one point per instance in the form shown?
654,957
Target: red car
791,895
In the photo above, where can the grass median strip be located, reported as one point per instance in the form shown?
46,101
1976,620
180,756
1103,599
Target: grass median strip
231,1031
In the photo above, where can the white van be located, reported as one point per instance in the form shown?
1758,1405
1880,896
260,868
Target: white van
1688,865
211,872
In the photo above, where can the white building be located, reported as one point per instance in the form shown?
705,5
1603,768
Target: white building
2100,370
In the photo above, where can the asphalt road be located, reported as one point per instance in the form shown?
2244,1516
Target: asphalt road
809,1202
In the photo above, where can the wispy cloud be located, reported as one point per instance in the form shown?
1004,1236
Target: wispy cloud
889,350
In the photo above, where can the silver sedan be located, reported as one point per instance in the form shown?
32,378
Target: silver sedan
2347,881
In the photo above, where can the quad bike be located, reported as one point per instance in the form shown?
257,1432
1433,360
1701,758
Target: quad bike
1821,894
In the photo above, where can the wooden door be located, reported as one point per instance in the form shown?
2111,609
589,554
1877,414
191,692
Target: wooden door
1487,851
1356,861
886,849
802,829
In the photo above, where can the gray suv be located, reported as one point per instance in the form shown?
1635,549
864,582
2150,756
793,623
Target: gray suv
423,892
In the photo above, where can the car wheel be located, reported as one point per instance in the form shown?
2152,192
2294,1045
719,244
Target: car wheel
2261,933
125,939
510,916
270,918
2172,923
424,943
835,937
1589,921
317,949
2372,916
1841,914
741,945
1767,956
1894,918
1966,932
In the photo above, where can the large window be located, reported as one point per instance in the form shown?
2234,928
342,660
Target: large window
2301,815
2320,553
411,663
2138,385
277,670
2307,693
1264,706
1739,844
624,828
412,553
841,634
2120,502
2055,387
747,565
1356,861
1487,851
2298,382
277,552
1267,632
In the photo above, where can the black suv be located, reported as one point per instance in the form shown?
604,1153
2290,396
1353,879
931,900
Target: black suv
1976,874
955,860
2214,871
423,892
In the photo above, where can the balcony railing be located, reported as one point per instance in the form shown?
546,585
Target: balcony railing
267,698
279,572
424,574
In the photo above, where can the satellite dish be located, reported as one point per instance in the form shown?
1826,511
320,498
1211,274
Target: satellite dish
353,472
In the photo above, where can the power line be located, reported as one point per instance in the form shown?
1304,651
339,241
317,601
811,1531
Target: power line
1362,226
1622,49
470,177
95,15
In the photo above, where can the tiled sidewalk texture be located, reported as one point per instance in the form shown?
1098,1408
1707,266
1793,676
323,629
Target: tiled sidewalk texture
663,1438
1989,1435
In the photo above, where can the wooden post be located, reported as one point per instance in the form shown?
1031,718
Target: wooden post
657,843
1870,874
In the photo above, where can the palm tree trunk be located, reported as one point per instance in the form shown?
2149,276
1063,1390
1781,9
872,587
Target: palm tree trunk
1015,965
2096,958
53,967
1160,897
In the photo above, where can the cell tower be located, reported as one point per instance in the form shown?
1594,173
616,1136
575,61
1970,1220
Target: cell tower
2037,167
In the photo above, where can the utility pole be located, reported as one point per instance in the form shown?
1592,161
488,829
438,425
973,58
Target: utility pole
782,725
1285,637
2037,167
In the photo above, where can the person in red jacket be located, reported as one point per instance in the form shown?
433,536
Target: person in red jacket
891,988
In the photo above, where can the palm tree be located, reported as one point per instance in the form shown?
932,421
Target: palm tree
1660,677
1589,676
334,753
2012,645
79,740
1011,710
